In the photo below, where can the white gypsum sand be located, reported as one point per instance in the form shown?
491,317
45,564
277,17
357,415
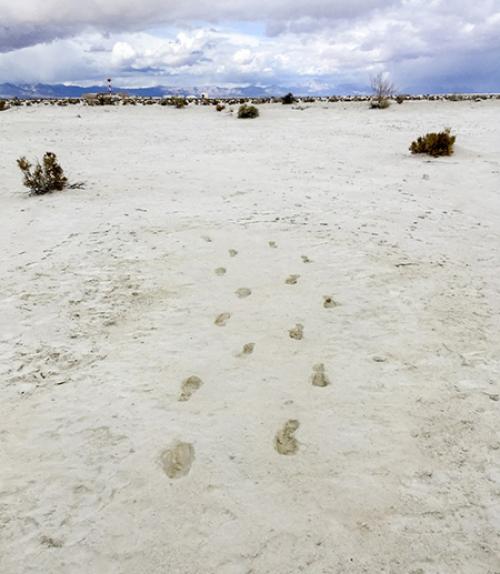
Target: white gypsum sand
107,308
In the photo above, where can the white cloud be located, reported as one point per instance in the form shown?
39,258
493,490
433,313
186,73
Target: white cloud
29,21
123,54
425,44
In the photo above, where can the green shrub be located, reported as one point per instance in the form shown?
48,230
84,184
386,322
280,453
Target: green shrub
247,111
219,107
434,144
104,100
288,99
177,101
45,177
180,103
96,100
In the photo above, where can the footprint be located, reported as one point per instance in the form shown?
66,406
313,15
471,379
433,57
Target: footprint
220,271
297,332
328,302
247,349
222,319
243,292
188,387
51,542
284,441
233,253
292,279
177,459
273,244
319,378
306,259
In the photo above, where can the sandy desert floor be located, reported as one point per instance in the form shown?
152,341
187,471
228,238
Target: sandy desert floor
161,331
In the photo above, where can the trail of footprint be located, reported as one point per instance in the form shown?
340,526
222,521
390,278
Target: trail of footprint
233,253
248,349
285,441
188,387
292,279
220,271
243,292
328,302
297,332
319,378
222,319
177,459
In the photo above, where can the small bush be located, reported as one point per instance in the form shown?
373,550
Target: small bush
247,111
383,89
3,105
180,103
380,104
45,177
288,99
434,144
176,101
220,107
96,100
400,99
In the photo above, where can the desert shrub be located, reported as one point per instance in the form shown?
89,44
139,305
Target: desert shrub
220,107
434,144
105,100
400,99
97,100
177,101
3,105
180,103
247,111
44,178
288,99
382,104
383,89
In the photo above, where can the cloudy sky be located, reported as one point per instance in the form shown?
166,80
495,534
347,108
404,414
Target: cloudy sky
319,45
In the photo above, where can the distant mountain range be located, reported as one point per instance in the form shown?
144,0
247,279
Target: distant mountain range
9,90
